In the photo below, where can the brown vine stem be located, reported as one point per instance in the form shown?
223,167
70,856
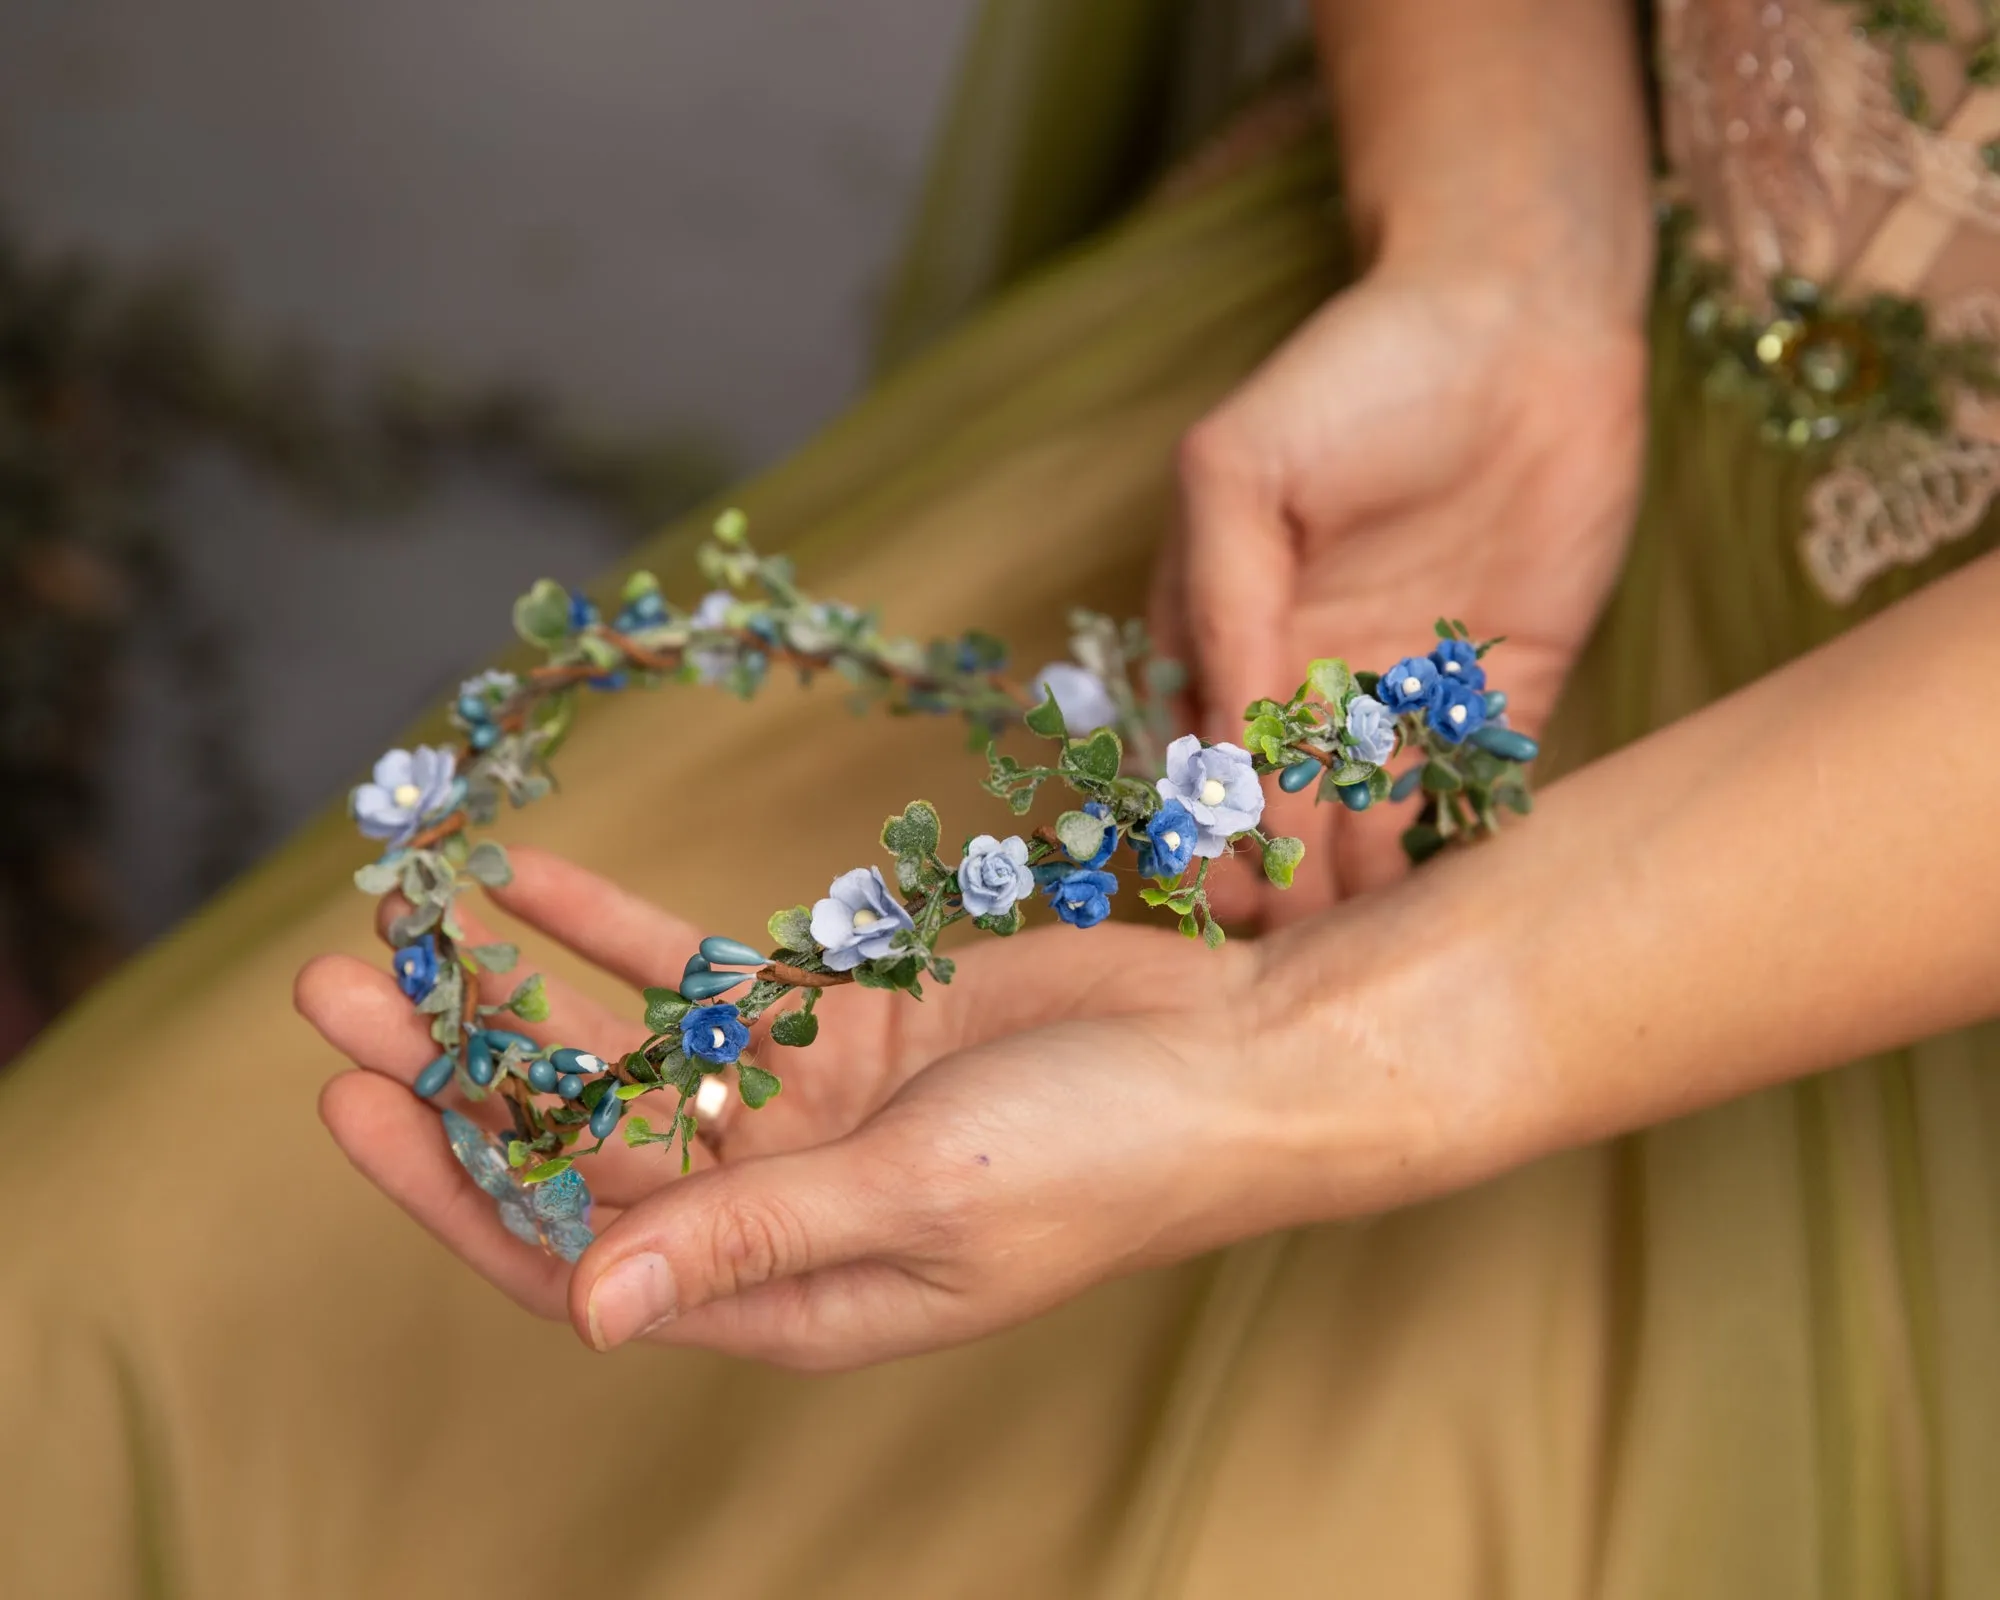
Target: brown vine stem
799,978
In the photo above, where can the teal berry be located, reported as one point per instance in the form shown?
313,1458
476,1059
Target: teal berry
718,951
695,963
542,1077
1496,703
580,1063
604,1120
1298,775
434,1077
472,707
1406,785
1356,796
498,1040
1506,743
569,1086
700,986
479,1060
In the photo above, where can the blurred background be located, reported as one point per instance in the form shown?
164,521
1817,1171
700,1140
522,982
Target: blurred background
308,312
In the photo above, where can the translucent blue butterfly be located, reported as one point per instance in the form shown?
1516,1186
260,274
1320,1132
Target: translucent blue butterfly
554,1215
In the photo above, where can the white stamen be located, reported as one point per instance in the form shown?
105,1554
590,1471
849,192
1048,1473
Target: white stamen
1212,792
589,1063
1413,685
715,1038
864,918
406,795
1457,713
1171,840
1451,666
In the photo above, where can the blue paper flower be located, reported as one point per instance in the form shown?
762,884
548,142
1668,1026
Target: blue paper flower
647,610
408,786
1454,658
1459,710
715,662
1410,685
1109,843
1168,844
416,967
994,875
858,920
581,612
714,1033
1371,730
1218,786
1083,898
1085,703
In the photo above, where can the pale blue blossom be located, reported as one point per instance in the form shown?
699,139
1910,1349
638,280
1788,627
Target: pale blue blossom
994,875
1371,730
1085,703
1218,785
408,786
858,920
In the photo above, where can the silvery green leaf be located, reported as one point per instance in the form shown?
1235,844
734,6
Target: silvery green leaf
795,1028
378,877
1046,718
528,1002
915,832
792,930
445,993
755,1084
541,616
1281,860
1082,835
488,864
413,924
496,957
1096,759
1331,679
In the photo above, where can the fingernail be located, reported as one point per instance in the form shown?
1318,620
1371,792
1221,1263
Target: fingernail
635,1295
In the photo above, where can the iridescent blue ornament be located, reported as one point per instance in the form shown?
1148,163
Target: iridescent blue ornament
554,1215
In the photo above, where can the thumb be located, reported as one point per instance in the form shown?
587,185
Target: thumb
723,1233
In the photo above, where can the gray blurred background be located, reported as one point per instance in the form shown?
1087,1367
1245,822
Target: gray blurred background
673,220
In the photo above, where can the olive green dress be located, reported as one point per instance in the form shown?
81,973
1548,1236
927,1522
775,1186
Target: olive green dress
1752,1353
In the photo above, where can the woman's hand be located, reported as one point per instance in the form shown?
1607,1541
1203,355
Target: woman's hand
1427,445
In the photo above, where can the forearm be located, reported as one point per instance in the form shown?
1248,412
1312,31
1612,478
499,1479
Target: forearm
1495,132
1798,875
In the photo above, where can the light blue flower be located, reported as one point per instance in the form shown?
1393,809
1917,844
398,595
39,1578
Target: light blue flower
1371,730
1219,787
408,786
1454,658
1168,844
1458,711
714,663
1083,898
994,875
858,920
1410,685
1085,703
715,1034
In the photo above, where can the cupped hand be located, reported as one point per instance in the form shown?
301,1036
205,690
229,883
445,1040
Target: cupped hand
1437,441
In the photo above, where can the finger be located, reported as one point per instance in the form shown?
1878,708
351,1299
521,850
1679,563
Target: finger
728,1231
399,1145
828,1321
608,926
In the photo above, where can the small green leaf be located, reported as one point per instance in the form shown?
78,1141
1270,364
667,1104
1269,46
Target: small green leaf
1082,835
541,616
1096,759
732,527
795,1028
632,1091
792,930
488,864
1440,777
1212,934
1330,679
528,1002
1265,736
553,1168
1444,629
638,1131
1047,718
915,832
1004,926
1422,842
1281,860
664,1009
1515,798
1153,895
550,720
496,957
378,877
600,651
682,1075
755,1084
517,1153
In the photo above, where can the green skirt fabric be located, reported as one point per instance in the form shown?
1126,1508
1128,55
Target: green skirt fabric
1751,1353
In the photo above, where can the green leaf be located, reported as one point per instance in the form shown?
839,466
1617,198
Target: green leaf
1047,718
632,1091
1380,783
732,527
1281,860
1422,842
792,930
942,968
639,1131
553,1168
1096,759
1082,835
528,1002
518,1153
551,719
600,651
488,864
1441,777
915,832
541,616
1515,798
1154,895
378,877
1212,934
795,1028
1444,629
1005,926
1265,736
1330,679
683,1075
664,1009
415,923
755,1084
496,957
1021,802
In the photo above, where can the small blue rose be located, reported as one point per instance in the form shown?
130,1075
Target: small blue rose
645,611
994,875
1097,808
1409,685
1083,898
1454,658
582,613
1218,786
1459,711
408,786
858,920
416,967
1085,703
1371,730
714,1033
1168,845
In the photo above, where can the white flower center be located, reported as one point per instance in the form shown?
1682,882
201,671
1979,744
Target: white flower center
589,1063
1457,713
406,795
1413,685
1451,666
1171,840
864,918
1212,792
715,1038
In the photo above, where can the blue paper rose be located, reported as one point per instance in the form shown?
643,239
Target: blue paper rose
1085,703
1083,898
714,1033
858,920
994,875
416,967
1371,730
408,786
1454,658
1410,685
1459,710
1168,844
1218,786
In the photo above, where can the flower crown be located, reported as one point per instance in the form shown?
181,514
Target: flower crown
1104,711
